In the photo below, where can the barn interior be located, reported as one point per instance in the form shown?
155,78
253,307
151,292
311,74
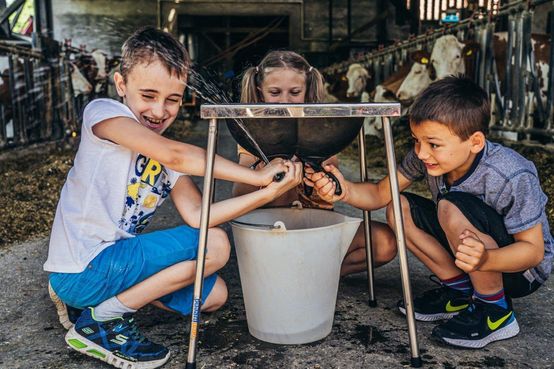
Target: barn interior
50,71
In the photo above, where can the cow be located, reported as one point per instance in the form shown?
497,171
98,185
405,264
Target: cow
347,87
100,81
448,57
100,58
387,91
81,86
358,77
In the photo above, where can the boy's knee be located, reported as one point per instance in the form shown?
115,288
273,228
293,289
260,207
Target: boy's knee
217,297
388,247
219,247
448,214
404,206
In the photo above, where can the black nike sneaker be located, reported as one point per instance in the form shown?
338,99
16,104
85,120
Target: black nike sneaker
478,326
437,304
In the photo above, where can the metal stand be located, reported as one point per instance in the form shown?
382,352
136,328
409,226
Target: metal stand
202,240
323,111
371,301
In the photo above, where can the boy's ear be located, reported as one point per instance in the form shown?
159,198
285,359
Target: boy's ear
119,83
477,142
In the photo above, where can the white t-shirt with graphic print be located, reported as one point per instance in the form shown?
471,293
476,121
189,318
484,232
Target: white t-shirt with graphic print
110,193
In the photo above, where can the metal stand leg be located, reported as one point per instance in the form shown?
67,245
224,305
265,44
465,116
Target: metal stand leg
207,195
367,224
401,242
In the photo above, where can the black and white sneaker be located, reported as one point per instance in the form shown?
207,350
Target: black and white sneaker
478,326
437,304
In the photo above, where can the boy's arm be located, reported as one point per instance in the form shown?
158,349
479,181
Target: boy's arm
179,156
242,188
526,252
188,199
367,196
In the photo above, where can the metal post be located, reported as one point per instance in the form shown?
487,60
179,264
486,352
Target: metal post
517,80
330,22
550,93
367,224
401,243
508,101
202,241
525,92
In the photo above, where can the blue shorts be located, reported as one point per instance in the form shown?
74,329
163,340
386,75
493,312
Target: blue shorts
130,261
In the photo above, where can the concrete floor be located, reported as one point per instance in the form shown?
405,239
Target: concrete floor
362,337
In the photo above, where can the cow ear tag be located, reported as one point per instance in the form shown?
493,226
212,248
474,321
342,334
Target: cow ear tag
424,60
469,52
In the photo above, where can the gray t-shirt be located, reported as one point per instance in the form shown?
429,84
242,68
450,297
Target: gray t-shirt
505,181
111,193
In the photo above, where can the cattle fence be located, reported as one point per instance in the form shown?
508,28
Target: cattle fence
37,102
521,103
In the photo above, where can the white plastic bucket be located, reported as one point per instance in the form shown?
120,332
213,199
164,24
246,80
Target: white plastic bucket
289,263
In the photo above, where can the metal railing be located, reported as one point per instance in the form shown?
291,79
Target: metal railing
36,97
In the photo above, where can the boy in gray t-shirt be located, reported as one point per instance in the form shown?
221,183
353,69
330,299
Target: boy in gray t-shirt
484,234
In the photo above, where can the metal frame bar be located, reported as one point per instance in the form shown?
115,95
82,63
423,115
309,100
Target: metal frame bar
215,112
371,300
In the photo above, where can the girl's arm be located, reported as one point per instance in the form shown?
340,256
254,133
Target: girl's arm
188,200
179,156
241,189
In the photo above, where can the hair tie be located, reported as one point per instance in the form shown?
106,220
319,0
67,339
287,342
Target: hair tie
310,69
257,69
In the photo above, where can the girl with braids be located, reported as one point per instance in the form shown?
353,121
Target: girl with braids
286,77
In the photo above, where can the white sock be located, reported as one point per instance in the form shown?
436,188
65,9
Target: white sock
111,308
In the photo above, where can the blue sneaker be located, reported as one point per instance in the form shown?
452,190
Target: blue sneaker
67,315
117,342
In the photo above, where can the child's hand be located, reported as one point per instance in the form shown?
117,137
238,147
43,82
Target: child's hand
267,173
292,178
324,186
471,253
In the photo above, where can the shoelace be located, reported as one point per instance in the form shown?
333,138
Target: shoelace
435,291
134,331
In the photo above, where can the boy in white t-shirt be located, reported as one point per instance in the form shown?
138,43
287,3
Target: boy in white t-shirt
124,169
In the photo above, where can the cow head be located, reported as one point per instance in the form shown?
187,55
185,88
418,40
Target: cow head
357,77
100,58
419,77
447,58
80,84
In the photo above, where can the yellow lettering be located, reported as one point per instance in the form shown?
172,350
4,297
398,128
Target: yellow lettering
153,168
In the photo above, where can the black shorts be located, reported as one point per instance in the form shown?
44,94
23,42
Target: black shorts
483,217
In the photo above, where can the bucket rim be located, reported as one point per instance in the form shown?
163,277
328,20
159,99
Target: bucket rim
268,228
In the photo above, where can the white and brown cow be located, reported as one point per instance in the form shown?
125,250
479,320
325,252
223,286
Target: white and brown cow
349,86
81,86
448,57
388,90
357,76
